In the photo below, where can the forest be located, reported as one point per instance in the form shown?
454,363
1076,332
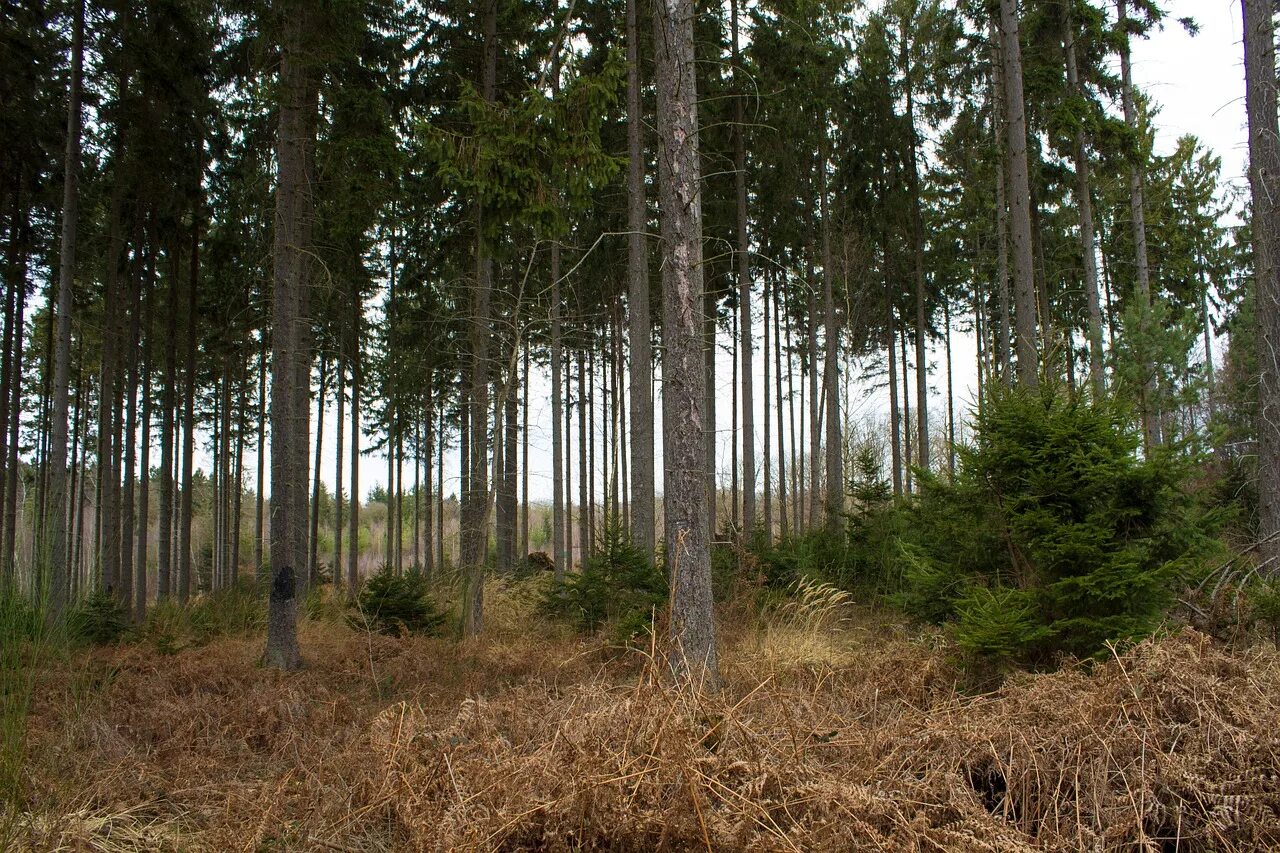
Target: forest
634,425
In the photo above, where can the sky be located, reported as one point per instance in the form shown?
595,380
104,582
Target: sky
1198,83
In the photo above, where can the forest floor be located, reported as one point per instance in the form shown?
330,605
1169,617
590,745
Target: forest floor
829,735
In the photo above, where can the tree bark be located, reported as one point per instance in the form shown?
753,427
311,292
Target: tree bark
743,268
183,567
1137,207
59,575
290,340
1019,189
1264,182
831,370
476,515
1084,202
685,510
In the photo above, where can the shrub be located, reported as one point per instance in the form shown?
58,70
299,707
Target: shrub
1055,537
395,603
99,620
617,585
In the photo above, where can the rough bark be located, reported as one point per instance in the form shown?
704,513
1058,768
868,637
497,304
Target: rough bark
686,517
831,369
743,269
59,573
476,517
1264,182
290,340
1019,191
183,564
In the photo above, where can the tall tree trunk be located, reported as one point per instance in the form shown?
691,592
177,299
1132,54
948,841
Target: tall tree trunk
108,535
524,469
815,423
59,577
339,451
743,268
559,473
685,510
291,339
144,468
476,517
768,285
10,503
1019,188
353,530
906,410
639,336
1084,202
784,529
951,396
1142,269
189,421
124,587
164,541
237,495
313,549
917,256
586,466
797,451
1264,182
831,350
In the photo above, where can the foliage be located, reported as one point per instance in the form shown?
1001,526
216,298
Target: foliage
1055,537
617,585
99,620
392,602
232,611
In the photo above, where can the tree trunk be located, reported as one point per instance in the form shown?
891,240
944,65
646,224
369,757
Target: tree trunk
685,510
1019,189
476,515
353,530
144,468
339,450
313,549
59,576
742,256
639,334
559,473
1084,201
1137,208
768,285
189,422
784,529
1264,182
290,339
259,515
831,370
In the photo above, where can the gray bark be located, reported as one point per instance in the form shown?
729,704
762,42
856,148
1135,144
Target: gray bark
685,510
1264,182
56,537
1019,188
290,340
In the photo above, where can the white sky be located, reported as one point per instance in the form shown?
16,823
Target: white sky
1198,83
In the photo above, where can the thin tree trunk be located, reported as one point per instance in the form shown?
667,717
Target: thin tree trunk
831,370
639,335
1084,202
259,515
685,510
524,469
339,452
144,468
951,396
906,410
742,256
313,550
768,285
784,529
188,421
353,530
586,463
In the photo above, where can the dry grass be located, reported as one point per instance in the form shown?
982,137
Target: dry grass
539,741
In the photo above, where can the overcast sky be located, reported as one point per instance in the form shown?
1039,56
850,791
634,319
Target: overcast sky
1198,83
